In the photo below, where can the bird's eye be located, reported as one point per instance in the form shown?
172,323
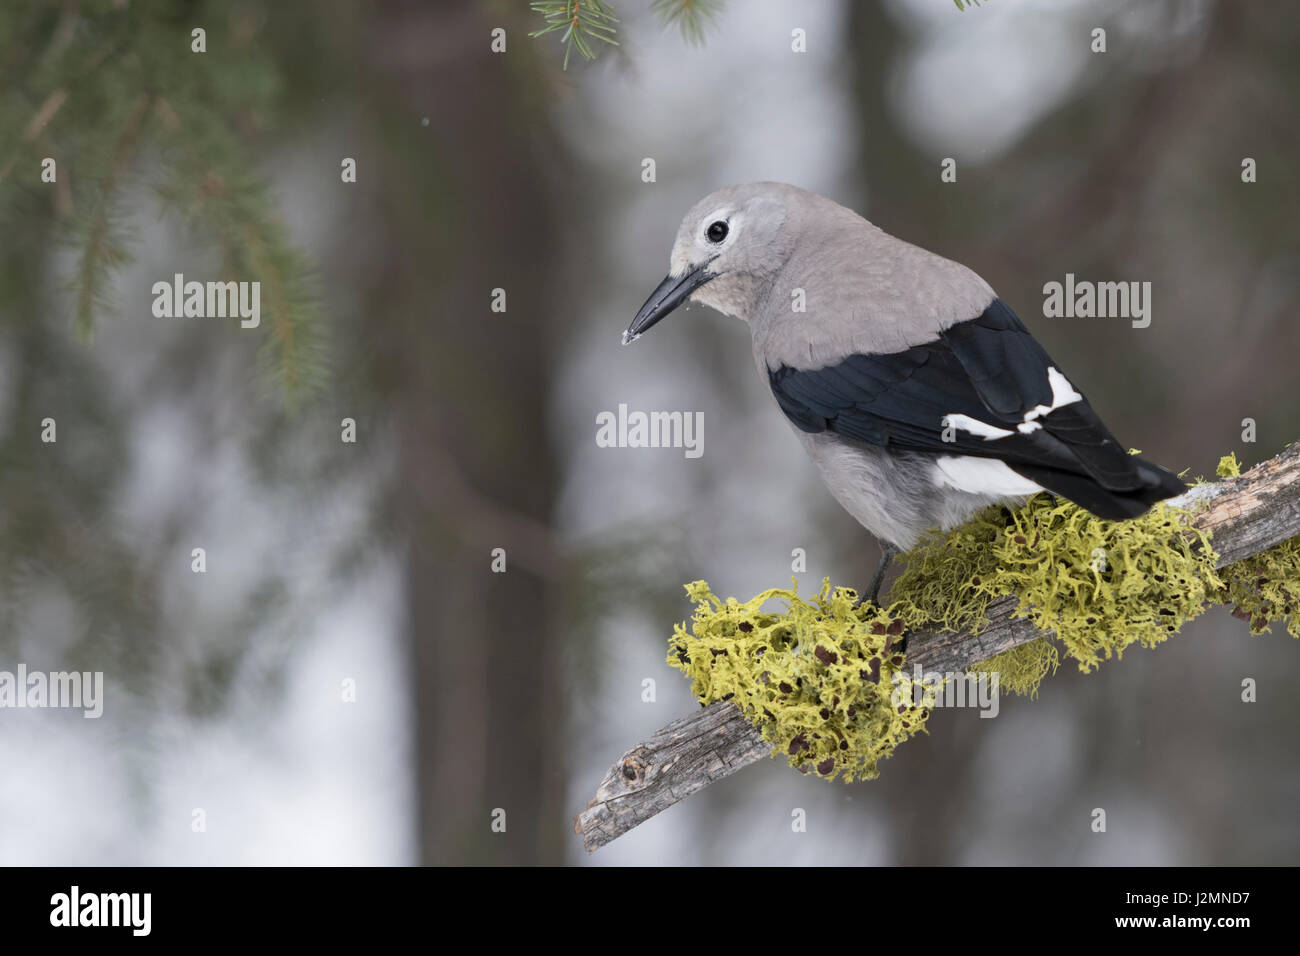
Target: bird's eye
717,231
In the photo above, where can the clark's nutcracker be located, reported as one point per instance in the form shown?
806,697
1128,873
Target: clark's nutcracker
916,391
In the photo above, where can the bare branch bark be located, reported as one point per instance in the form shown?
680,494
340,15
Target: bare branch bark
1246,515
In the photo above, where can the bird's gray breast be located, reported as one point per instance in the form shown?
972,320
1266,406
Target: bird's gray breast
893,495
882,492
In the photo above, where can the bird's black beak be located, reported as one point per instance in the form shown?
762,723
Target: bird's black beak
671,293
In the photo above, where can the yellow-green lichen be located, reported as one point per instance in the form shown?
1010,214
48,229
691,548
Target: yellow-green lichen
1022,668
1265,589
1102,586
1099,586
1229,467
823,680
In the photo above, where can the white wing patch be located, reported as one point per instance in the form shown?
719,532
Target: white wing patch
975,426
1063,393
981,476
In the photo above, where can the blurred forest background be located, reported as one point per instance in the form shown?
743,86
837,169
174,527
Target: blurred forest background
370,562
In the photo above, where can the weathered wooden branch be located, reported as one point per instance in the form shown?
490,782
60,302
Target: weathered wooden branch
1246,515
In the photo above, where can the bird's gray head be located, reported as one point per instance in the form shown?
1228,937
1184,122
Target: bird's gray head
728,248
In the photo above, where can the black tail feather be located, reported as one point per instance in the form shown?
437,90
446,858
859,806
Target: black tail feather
1155,484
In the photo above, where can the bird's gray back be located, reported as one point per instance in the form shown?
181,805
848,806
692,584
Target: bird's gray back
863,291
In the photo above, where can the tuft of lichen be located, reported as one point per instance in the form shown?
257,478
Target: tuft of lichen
1229,467
1100,586
1265,589
1022,668
823,681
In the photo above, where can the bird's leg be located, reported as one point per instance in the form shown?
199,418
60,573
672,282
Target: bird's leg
887,554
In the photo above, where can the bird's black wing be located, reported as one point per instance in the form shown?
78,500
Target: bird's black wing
990,372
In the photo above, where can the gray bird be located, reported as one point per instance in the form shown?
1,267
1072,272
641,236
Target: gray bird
915,390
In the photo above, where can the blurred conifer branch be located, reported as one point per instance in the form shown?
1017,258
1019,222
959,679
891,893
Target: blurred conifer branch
581,23
692,17
116,96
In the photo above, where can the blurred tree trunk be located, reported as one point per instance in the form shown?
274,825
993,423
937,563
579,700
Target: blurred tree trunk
465,202
899,178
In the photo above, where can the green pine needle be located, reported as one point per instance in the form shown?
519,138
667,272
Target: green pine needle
581,21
